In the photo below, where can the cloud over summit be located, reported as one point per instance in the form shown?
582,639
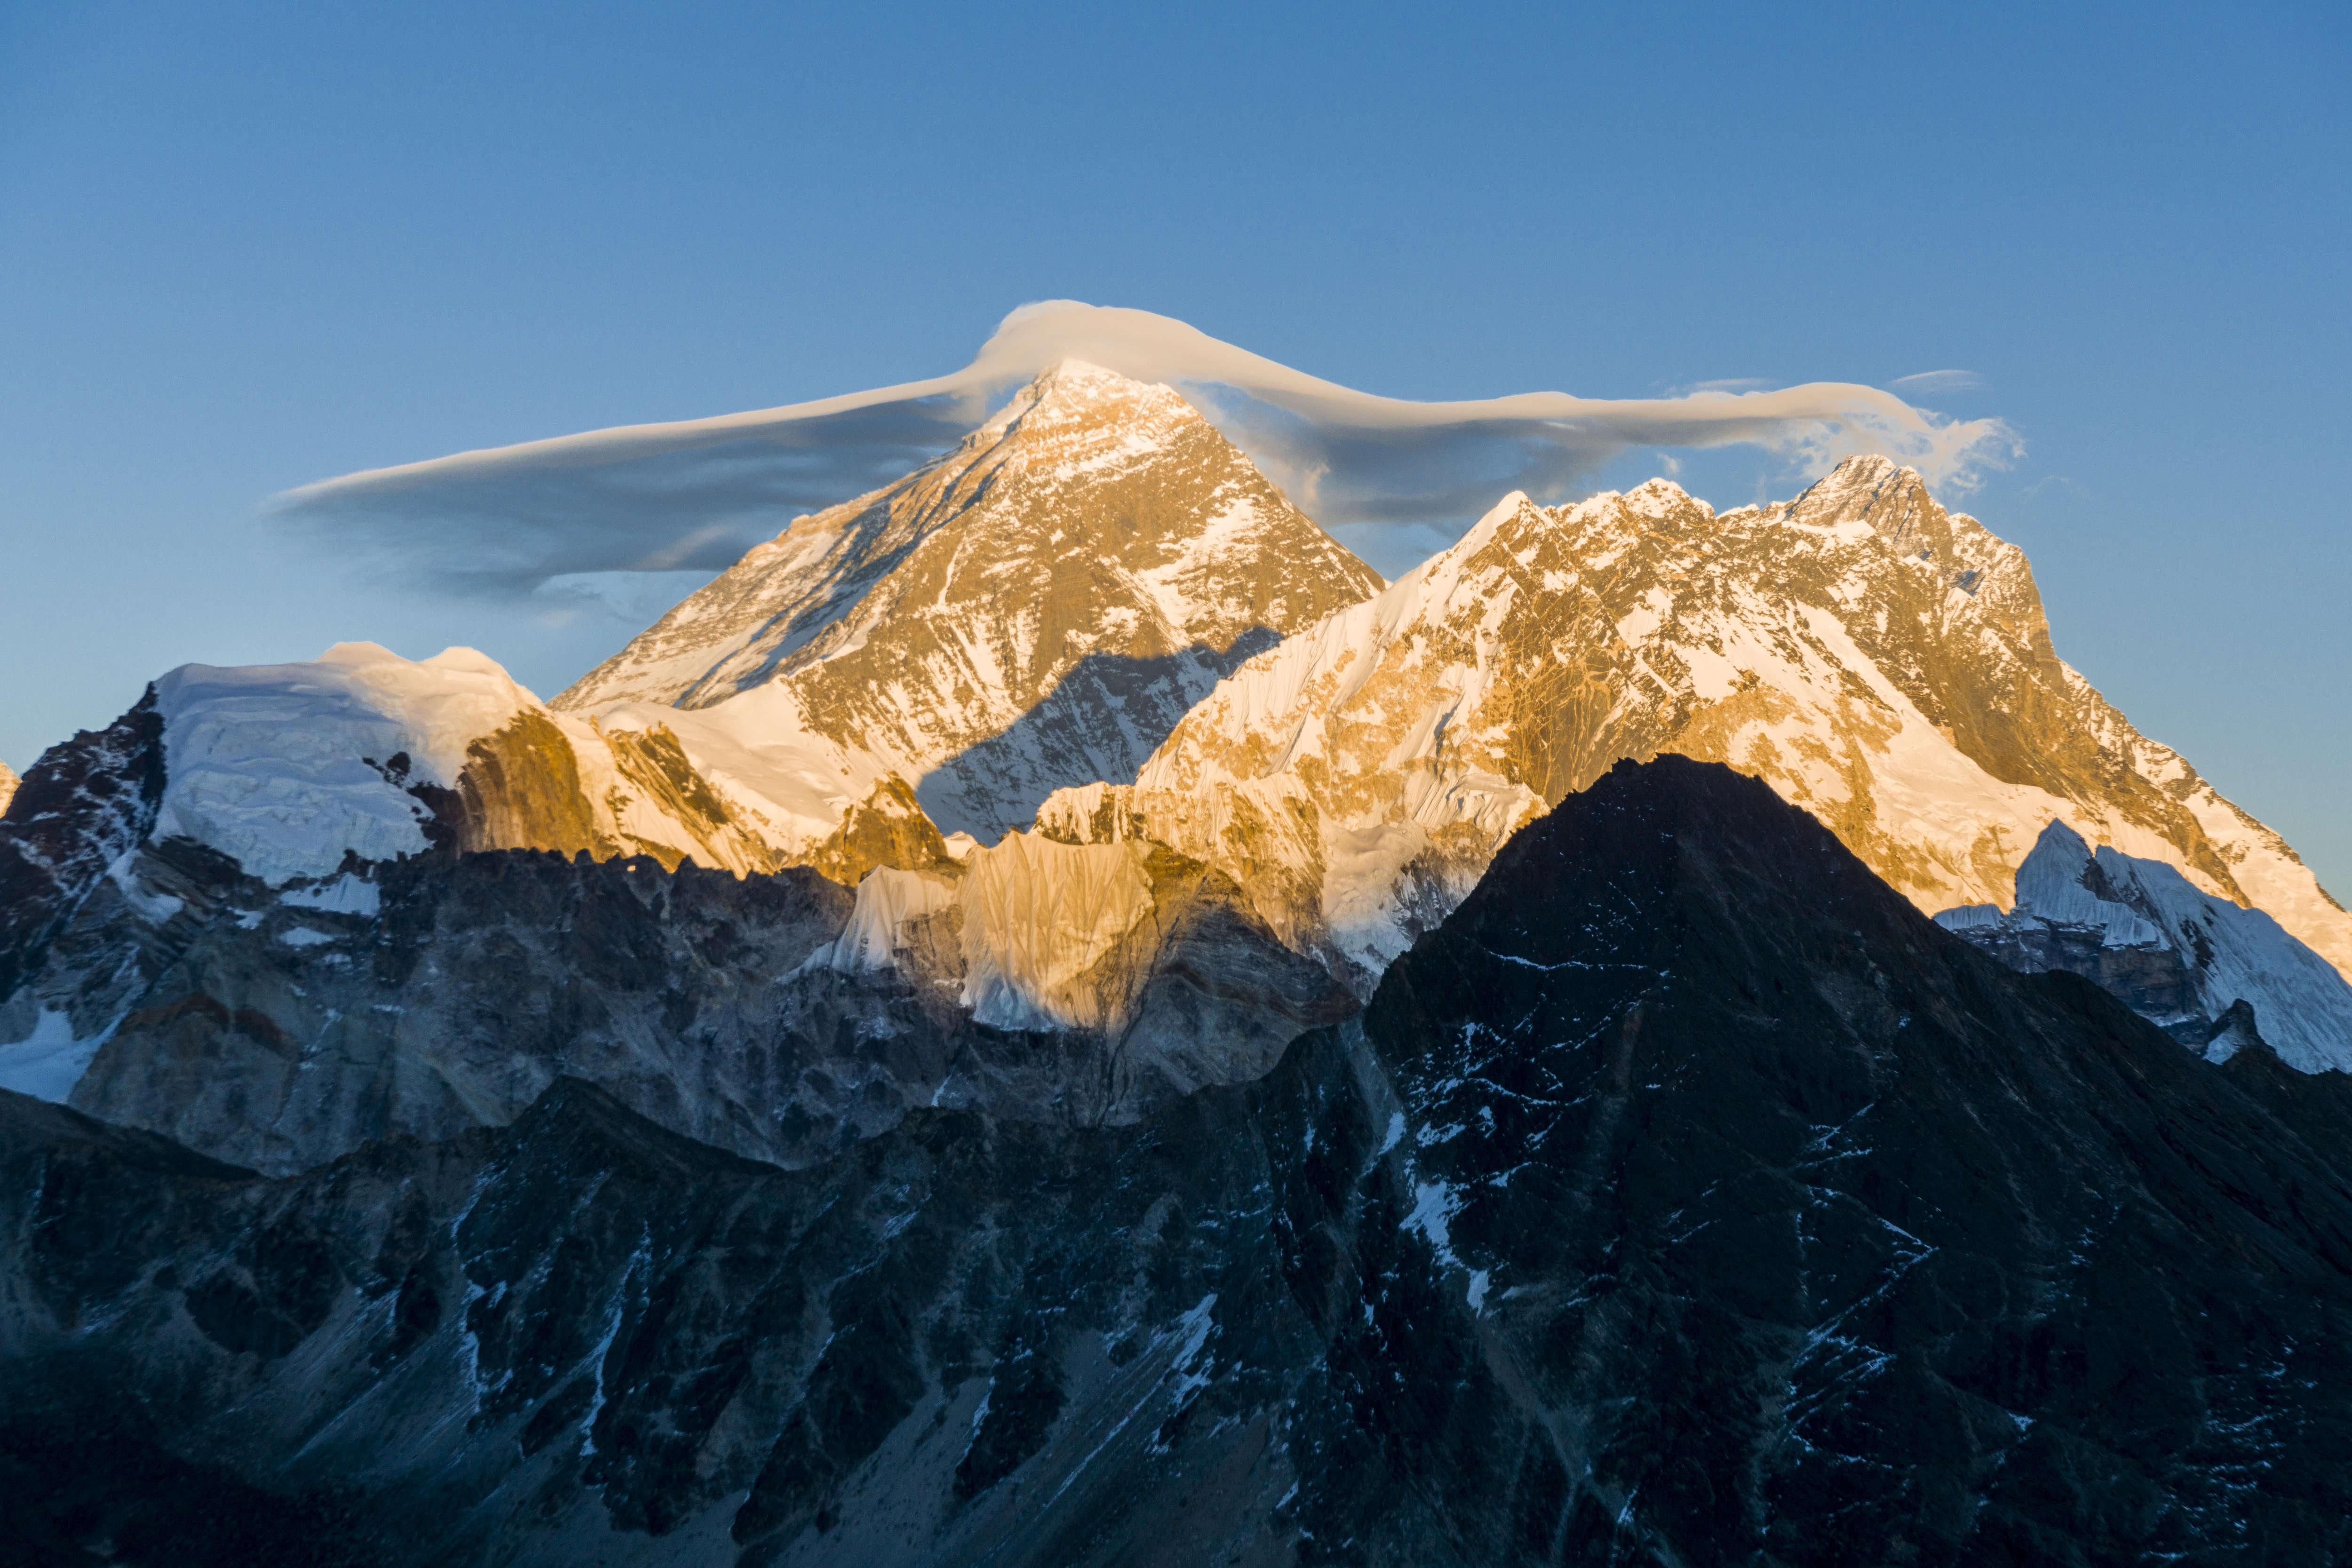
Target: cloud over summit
694,495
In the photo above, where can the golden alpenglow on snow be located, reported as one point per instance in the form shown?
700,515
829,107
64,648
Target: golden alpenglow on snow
1033,609
1879,661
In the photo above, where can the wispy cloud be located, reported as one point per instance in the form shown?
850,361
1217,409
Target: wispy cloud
1928,383
2050,485
693,495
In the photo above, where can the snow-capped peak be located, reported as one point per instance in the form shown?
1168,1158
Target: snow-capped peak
1074,392
1879,661
1035,608
1661,498
284,765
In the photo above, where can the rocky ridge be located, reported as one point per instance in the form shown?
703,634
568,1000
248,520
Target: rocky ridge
1684,1196
1878,660
87,803
777,1016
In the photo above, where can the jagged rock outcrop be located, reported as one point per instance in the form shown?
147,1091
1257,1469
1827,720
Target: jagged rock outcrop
86,804
888,829
1685,1196
2182,959
1035,608
9,783
1879,661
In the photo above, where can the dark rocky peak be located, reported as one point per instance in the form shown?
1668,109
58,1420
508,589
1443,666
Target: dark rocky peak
2235,1031
1791,1229
84,804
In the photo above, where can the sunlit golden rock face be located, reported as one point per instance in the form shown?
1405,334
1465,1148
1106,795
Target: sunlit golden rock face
1034,609
888,829
523,787
1878,660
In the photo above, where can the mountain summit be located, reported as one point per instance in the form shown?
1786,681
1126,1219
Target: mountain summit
1037,607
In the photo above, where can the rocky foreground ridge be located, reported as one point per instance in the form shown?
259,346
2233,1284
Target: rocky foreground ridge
1684,1196
155,981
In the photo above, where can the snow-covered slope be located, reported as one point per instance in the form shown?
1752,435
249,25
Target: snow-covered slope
8,782
1880,662
285,767
289,767
1033,609
2179,955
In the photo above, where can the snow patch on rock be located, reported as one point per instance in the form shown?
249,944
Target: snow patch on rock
346,895
48,1062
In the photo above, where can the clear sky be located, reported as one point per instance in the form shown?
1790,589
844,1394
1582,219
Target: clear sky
244,247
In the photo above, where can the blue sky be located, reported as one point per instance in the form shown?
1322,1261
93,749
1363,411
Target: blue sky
246,247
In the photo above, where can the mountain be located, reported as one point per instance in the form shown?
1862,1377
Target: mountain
9,783
1038,607
1685,1196
2199,967
1878,660
1035,608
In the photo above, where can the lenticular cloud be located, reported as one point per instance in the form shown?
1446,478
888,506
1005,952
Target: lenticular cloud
694,495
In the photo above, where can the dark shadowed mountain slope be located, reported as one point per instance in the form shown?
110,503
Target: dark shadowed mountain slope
1686,1197
85,803
1800,1233
280,1029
